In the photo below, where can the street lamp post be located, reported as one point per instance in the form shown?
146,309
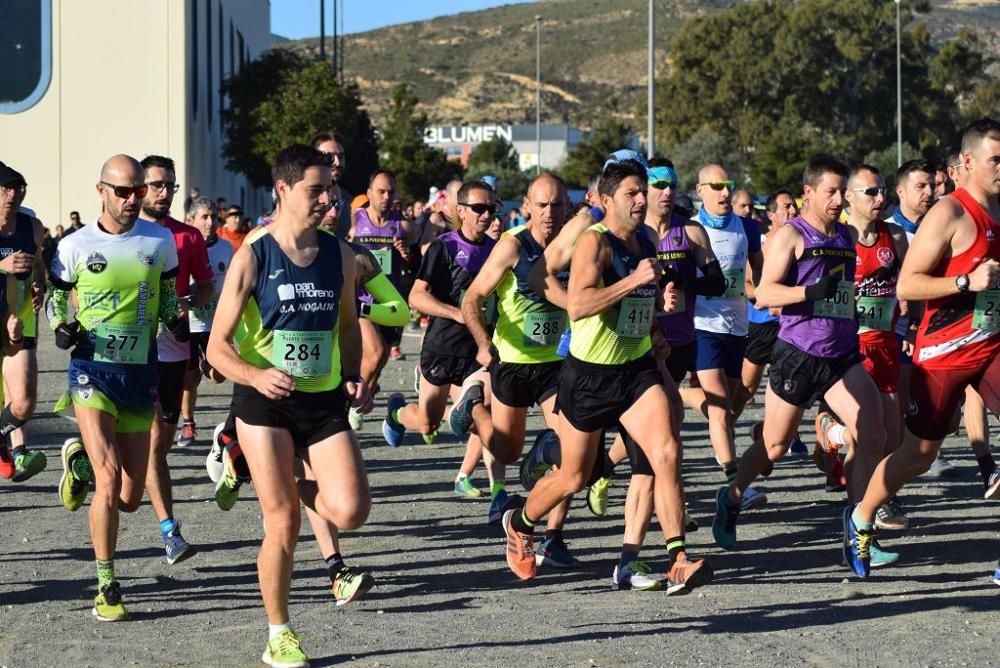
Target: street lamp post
650,143
899,92
322,29
538,94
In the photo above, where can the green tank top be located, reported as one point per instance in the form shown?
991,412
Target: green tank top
528,327
621,333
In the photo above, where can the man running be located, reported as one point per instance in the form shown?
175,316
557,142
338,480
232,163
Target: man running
952,265
609,378
122,269
173,353
295,373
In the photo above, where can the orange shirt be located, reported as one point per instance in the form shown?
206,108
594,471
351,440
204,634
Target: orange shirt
234,238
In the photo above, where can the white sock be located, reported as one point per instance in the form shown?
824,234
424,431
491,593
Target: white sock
276,629
460,476
836,434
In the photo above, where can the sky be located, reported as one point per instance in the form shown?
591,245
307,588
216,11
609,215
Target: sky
300,18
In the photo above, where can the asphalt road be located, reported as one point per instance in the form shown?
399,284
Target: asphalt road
445,596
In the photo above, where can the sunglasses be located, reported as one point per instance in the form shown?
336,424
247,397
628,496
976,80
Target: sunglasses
662,184
480,209
124,192
19,188
337,204
159,186
720,185
230,214
871,192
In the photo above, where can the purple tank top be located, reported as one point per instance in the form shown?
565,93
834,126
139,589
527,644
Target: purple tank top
824,328
379,240
677,260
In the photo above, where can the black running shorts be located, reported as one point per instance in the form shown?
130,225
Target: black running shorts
524,385
800,378
309,417
595,396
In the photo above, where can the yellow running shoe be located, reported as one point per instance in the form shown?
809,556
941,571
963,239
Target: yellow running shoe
285,651
75,481
108,606
597,497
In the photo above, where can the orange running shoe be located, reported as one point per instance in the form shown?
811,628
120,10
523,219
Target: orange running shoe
520,548
825,452
684,575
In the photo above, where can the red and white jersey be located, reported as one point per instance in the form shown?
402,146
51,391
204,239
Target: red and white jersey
875,279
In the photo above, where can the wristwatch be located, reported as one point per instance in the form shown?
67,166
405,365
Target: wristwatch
962,282
364,309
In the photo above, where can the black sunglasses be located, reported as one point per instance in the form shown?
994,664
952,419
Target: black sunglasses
124,192
480,208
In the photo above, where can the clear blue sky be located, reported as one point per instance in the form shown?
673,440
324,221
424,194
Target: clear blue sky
300,18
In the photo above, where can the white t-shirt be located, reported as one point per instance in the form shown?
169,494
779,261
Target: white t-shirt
220,255
726,314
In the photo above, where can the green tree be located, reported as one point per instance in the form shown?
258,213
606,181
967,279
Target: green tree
498,157
416,165
886,161
281,99
702,148
586,158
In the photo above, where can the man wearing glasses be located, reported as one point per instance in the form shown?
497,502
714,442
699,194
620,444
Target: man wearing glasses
331,145
232,229
123,270
173,352
20,246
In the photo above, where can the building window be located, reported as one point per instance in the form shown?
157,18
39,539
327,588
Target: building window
194,58
26,54
210,102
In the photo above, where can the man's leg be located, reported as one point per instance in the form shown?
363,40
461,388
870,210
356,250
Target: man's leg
20,378
717,402
374,352
856,401
340,493
977,427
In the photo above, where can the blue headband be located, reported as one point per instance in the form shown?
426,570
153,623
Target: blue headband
662,174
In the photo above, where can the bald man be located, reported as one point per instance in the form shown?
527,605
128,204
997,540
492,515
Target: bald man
122,269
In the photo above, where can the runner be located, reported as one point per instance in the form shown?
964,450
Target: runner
173,354
123,272
20,257
952,266
809,274
609,379
522,356
232,229
331,144
295,374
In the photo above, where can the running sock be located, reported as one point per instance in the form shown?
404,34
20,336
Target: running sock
835,434
551,534
334,563
18,451
861,524
675,546
167,525
986,466
395,415
277,629
9,422
730,470
607,466
496,488
521,523
628,556
105,573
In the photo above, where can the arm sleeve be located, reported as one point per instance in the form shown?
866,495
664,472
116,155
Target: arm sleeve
711,283
753,235
389,308
58,307
168,299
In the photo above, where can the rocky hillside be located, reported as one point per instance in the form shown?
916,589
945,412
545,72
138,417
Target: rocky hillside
479,67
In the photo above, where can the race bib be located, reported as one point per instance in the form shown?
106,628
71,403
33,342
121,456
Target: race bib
840,305
121,344
735,283
875,313
986,315
635,317
384,257
302,354
544,328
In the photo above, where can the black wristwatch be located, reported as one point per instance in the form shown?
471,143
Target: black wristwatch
364,309
962,282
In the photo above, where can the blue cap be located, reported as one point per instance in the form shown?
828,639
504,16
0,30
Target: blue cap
491,181
624,154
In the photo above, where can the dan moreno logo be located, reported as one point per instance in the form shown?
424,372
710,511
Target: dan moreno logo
96,263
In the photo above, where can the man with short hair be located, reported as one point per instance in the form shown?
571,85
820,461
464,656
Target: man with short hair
331,145
122,270
74,222
952,266
232,229
173,351
743,203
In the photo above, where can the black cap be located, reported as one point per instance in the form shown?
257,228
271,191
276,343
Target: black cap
10,176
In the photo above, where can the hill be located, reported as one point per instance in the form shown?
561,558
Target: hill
479,67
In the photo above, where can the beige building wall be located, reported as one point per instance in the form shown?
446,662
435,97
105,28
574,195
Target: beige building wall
123,81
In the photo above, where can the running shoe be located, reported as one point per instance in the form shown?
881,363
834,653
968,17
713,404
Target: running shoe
825,452
213,462
465,488
108,606
392,431
635,575
856,545
285,651
942,468
6,462
993,486
752,499
28,464
554,553
597,496
396,354
797,446
187,435
836,479
460,419
355,419
690,524
996,576
520,548
176,547
685,575
880,557
227,489
350,585
724,523
77,474
500,504
890,516
431,438
532,465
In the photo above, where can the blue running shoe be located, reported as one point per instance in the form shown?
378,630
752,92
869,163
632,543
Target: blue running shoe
724,524
392,431
501,503
857,545
797,446
996,576
553,552
532,465
460,420
176,547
